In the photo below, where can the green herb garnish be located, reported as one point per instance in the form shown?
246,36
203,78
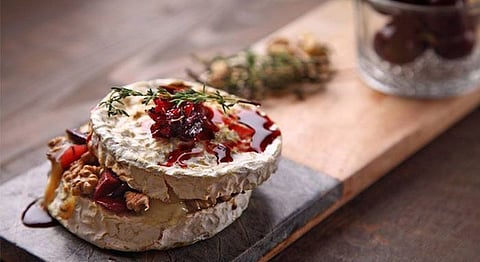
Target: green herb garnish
279,70
187,95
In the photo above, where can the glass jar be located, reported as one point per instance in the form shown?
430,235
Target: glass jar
419,50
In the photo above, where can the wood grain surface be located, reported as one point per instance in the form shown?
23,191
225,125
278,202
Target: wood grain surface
426,209
350,132
59,57
347,131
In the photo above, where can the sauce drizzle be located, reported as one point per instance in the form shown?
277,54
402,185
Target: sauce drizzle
262,125
255,130
185,151
36,216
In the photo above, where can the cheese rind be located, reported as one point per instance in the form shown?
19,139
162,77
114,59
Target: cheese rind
126,146
161,227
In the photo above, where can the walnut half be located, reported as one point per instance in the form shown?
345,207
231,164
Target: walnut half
137,201
83,178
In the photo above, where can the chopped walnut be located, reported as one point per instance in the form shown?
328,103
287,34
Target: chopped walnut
311,46
137,201
279,46
219,71
82,178
73,171
89,159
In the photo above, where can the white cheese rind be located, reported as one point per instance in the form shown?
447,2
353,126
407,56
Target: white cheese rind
106,229
133,155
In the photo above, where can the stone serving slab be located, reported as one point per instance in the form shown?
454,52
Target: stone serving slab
287,201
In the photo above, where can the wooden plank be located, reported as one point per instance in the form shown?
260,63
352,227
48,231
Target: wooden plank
353,133
350,132
294,195
351,128
426,209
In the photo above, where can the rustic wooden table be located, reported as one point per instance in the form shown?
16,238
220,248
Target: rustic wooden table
59,57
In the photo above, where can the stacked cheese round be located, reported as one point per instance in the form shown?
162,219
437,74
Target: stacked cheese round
187,202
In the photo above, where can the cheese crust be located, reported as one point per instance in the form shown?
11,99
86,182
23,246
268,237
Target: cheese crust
218,192
161,227
125,145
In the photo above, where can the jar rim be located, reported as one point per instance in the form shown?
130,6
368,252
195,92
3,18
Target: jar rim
470,7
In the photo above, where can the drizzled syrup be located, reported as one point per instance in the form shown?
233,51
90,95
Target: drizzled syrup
185,151
250,126
262,125
36,216
222,152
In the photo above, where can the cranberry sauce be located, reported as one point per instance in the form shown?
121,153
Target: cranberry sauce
255,131
36,216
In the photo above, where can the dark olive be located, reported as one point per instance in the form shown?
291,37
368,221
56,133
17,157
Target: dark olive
399,41
456,46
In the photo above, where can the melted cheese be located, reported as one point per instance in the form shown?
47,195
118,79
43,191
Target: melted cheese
163,226
52,183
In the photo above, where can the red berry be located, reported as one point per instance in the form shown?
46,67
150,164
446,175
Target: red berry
110,191
107,184
188,121
72,154
456,46
117,205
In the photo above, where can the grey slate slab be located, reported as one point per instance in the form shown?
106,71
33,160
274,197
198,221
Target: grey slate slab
293,196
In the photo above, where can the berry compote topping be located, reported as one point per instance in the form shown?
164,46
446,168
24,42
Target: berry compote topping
187,121
194,123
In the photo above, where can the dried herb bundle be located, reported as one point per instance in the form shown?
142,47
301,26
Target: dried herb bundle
282,69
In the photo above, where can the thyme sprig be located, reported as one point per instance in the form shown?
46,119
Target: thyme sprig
119,93
283,68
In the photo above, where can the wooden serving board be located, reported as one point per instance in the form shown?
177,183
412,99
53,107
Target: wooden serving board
337,143
349,131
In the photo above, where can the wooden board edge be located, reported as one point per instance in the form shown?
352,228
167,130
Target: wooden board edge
301,231
355,181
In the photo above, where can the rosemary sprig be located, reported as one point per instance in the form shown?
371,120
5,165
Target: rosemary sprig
188,95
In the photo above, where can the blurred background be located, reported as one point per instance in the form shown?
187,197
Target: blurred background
59,57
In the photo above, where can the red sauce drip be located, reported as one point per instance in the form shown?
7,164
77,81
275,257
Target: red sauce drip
261,125
222,152
185,151
250,125
36,216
